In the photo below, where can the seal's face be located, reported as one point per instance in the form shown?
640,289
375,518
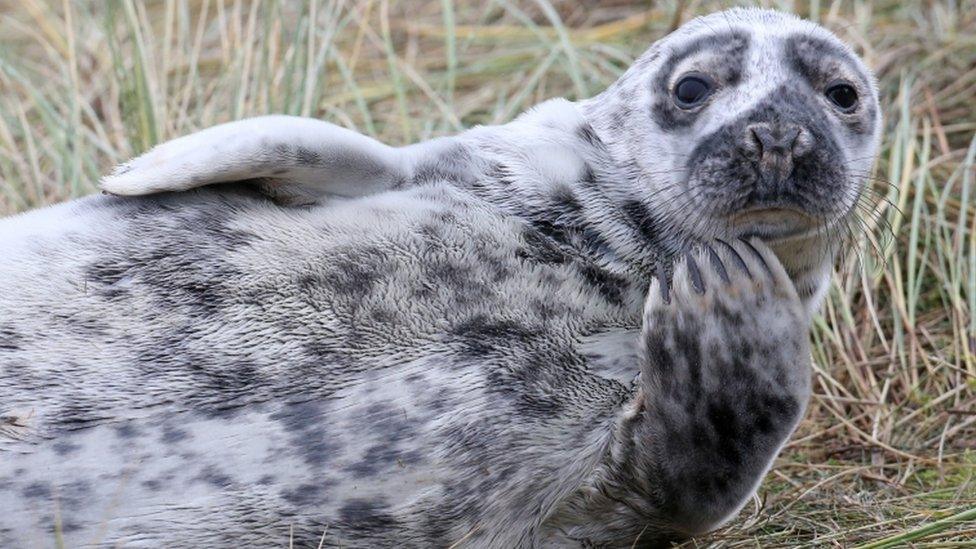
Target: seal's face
756,122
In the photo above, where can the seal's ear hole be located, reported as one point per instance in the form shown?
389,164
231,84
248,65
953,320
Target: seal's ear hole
692,90
843,95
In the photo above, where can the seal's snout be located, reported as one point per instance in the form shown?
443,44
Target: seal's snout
776,147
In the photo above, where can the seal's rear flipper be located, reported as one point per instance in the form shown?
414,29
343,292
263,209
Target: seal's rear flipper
294,160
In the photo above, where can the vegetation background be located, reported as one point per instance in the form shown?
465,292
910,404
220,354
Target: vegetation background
887,455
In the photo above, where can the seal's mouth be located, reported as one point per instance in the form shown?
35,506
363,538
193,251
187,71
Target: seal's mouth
772,223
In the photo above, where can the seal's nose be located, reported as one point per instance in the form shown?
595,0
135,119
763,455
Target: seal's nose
774,140
776,146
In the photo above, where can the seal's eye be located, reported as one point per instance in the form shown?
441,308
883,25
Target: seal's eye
692,90
842,95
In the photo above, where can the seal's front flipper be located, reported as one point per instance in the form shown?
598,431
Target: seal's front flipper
725,379
294,160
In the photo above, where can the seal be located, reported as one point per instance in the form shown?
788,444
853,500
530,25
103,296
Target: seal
587,327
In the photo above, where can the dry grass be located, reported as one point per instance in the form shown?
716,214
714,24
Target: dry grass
889,447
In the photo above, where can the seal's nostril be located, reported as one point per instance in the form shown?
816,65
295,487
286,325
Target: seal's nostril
790,134
756,142
802,143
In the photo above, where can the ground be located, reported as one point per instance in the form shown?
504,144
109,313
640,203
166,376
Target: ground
887,454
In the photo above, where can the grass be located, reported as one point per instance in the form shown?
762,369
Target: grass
887,454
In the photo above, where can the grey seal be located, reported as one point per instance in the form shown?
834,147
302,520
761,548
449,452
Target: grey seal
464,341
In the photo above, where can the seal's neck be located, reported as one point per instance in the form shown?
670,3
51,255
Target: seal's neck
555,171
809,261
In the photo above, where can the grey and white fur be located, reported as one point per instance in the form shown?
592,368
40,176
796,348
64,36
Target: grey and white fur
463,341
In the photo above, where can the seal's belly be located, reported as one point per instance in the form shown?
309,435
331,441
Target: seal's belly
237,368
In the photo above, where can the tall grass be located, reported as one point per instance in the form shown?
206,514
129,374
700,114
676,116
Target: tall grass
888,453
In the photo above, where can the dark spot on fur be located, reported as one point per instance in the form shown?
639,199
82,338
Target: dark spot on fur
612,287
307,156
455,275
565,205
353,273
399,181
172,435
780,406
384,458
83,323
306,425
452,165
190,280
64,448
641,220
688,347
372,517
37,490
585,132
214,477
500,174
540,249
597,245
383,315
548,310
588,178
393,423
763,421
484,335
126,431
662,365
10,339
722,418
306,495
69,526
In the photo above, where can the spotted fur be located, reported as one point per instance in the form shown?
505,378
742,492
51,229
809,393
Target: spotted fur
451,342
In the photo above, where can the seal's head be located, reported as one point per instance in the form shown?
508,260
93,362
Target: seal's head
745,122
